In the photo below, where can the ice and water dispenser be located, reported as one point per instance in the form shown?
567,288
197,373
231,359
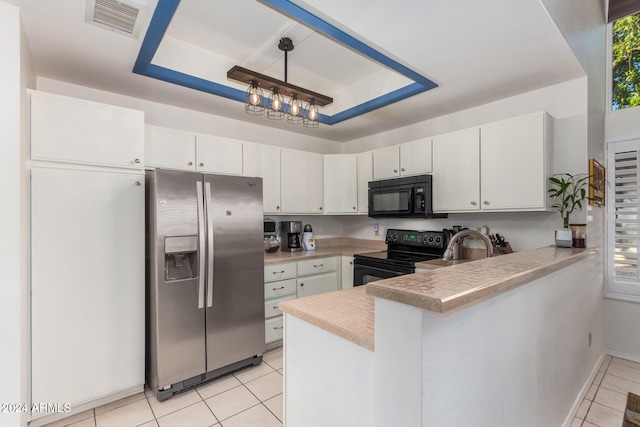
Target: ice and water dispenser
180,258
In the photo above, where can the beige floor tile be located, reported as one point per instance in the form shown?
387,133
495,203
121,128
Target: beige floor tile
604,365
267,386
258,416
231,402
88,422
217,386
276,406
603,416
72,419
148,392
119,403
625,362
197,415
582,410
153,423
591,393
611,399
624,371
281,372
588,424
249,374
133,414
621,385
273,359
577,422
598,379
179,401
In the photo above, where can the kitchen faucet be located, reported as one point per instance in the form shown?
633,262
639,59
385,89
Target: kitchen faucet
457,238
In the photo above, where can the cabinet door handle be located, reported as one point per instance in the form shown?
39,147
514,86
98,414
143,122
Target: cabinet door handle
201,164
138,184
401,169
136,161
278,289
190,164
350,262
301,284
318,266
277,208
354,208
278,327
320,208
275,307
395,171
486,202
474,203
278,272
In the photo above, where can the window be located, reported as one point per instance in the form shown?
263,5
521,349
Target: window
623,209
625,62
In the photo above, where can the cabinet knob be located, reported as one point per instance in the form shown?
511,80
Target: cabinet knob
190,164
136,161
320,208
301,284
138,184
354,208
395,171
486,202
402,169
201,164
277,208
350,262
473,203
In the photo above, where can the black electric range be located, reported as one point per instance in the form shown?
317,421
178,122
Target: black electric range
404,249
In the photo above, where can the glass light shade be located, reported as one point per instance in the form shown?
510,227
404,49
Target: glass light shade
254,101
295,110
276,105
311,115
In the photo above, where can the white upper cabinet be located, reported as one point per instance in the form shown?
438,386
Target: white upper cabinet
456,171
415,157
501,166
517,158
72,130
264,161
365,174
410,158
169,148
215,154
301,179
340,183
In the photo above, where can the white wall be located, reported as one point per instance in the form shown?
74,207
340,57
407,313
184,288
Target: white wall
16,73
190,120
622,317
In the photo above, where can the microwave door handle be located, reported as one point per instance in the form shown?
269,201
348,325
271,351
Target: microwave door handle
201,245
207,196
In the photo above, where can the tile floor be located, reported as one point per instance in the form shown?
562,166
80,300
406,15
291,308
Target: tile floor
249,397
253,397
606,399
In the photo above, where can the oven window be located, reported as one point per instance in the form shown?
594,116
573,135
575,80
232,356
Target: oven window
392,201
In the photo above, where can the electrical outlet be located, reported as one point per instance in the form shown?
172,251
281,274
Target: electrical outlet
589,339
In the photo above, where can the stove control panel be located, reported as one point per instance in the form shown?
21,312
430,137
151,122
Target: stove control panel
424,239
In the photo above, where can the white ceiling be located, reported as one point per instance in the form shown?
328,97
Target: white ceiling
476,52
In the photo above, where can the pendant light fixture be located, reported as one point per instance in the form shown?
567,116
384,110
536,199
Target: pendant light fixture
276,108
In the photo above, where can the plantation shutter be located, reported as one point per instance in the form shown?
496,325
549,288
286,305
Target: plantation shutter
623,220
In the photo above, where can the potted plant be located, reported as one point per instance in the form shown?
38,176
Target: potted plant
568,192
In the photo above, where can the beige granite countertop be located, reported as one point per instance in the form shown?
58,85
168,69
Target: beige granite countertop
341,246
350,313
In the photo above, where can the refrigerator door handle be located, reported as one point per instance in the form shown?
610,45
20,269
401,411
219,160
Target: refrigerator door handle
201,245
207,195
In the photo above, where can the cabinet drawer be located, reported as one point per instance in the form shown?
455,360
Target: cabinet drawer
278,289
271,306
273,272
273,329
318,265
317,284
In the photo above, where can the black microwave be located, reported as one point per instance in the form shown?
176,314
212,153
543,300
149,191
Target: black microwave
408,197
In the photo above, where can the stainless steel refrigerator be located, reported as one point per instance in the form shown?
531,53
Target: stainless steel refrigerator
205,276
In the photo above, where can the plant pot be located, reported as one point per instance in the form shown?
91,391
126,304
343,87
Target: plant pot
564,238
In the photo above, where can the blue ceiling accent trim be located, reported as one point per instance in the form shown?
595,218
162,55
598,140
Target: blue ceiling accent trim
155,33
165,9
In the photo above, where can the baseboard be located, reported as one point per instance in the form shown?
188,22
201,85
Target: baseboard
583,391
619,354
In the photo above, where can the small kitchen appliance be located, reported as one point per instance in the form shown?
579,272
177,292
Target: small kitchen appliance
271,243
404,249
407,197
308,242
290,234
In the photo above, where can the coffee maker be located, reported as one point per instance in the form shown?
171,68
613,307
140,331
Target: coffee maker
290,234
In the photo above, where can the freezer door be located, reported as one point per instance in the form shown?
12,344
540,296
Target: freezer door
235,286
175,298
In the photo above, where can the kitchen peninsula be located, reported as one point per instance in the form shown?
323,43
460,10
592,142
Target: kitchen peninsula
500,341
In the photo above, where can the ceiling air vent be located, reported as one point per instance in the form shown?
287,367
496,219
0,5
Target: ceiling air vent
124,17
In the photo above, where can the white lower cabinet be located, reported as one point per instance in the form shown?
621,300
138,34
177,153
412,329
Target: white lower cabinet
316,276
346,267
87,284
280,285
